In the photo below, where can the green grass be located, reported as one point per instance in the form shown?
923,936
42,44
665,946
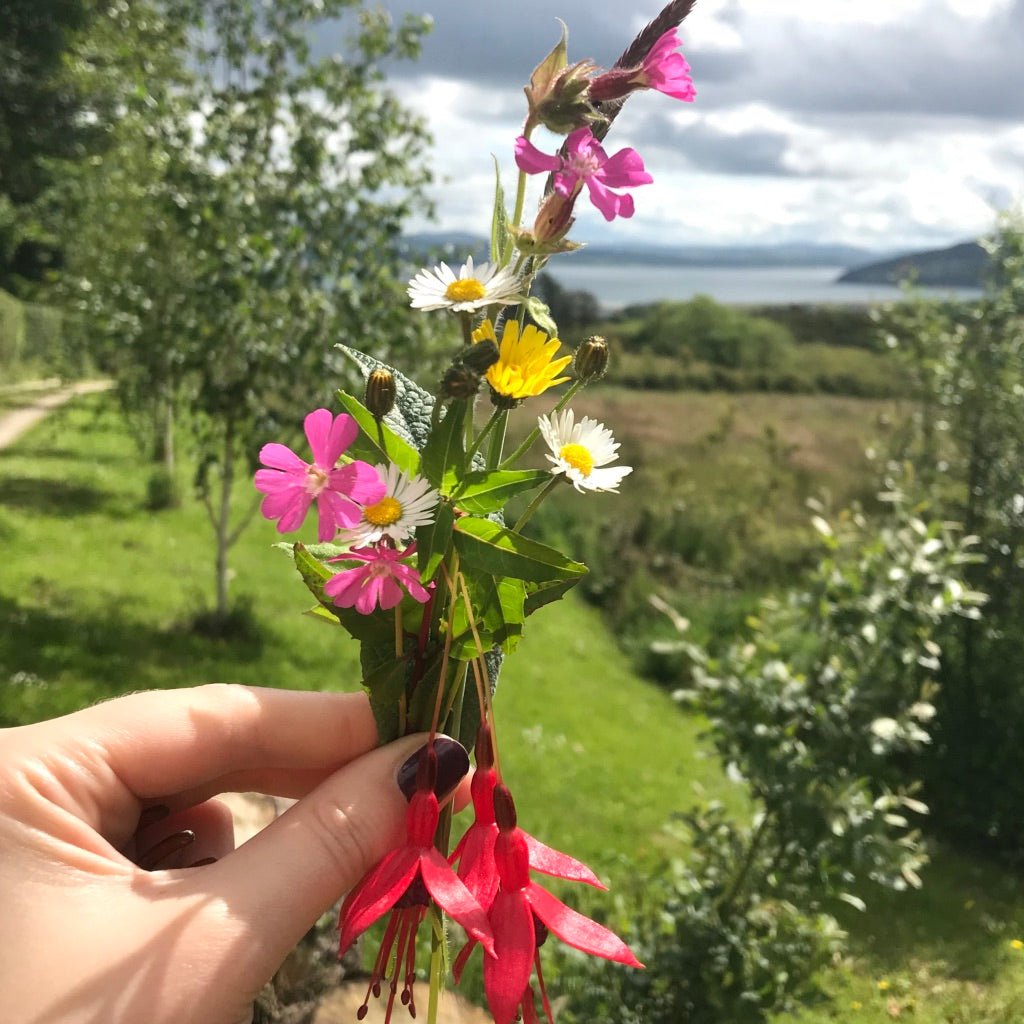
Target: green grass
96,593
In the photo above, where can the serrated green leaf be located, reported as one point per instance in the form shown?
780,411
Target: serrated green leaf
486,491
432,541
367,444
444,455
490,548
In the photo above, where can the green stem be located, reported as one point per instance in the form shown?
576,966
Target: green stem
728,897
476,445
497,441
535,504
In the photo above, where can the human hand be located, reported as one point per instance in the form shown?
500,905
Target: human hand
86,934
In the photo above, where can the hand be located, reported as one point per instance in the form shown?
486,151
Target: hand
86,934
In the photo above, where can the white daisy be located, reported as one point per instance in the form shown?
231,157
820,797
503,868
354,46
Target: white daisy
474,288
582,451
407,503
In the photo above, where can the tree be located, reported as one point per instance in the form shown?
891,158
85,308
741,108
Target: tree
273,189
965,445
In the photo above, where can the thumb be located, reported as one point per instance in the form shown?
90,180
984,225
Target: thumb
275,886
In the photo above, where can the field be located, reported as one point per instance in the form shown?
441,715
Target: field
96,597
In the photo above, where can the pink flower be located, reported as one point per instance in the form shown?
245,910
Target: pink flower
667,71
291,485
662,69
585,161
378,581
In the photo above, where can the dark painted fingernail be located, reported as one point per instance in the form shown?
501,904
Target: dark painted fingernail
452,765
167,847
151,815
202,862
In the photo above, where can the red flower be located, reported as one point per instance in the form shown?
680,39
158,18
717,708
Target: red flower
404,882
475,850
520,917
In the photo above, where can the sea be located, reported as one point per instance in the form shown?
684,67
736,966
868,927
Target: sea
619,285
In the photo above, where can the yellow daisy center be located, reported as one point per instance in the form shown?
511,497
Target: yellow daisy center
578,457
385,512
466,289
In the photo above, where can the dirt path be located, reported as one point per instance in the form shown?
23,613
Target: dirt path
14,423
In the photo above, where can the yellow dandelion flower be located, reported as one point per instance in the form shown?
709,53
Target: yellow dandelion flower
1016,944
855,1004
526,363
883,985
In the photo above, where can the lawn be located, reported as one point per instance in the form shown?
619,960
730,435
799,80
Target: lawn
96,594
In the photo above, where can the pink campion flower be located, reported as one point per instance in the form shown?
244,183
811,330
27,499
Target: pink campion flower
587,163
663,69
666,70
291,484
379,580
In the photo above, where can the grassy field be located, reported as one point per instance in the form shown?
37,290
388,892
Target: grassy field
96,593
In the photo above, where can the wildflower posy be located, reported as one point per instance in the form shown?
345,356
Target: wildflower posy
422,563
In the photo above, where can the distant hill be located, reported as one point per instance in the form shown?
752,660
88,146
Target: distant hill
959,266
457,245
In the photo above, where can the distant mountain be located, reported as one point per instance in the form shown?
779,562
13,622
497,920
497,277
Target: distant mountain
457,245
959,266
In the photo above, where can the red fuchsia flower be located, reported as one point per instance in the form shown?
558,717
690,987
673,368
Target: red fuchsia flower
663,69
587,163
291,484
405,882
521,916
379,580
475,850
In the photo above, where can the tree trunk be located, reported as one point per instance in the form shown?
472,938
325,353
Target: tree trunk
223,522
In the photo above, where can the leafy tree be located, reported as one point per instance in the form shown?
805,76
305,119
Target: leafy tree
270,191
965,444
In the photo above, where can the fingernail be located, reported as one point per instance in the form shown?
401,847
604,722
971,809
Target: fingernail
151,815
452,766
202,862
155,856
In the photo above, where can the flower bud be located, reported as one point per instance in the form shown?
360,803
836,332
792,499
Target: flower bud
379,397
459,381
481,355
591,359
504,808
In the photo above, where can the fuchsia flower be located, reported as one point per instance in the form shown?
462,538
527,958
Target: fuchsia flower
404,882
520,916
291,485
663,69
587,163
475,850
378,581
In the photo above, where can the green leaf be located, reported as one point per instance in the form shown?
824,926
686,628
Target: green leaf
324,614
444,455
367,444
501,237
547,593
486,546
486,491
498,606
432,541
540,314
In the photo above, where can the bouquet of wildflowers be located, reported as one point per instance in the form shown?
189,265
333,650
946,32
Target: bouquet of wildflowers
418,563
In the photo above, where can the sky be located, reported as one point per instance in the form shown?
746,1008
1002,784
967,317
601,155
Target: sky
887,124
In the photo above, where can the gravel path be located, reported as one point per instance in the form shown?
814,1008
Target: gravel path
14,423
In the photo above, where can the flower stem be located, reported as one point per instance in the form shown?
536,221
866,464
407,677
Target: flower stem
477,444
535,504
